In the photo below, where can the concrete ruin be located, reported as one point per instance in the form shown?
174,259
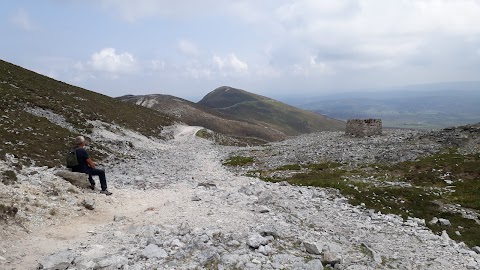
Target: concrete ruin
364,127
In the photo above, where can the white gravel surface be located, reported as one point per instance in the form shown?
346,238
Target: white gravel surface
174,206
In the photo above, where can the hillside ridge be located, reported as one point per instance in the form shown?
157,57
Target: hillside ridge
283,117
38,110
198,115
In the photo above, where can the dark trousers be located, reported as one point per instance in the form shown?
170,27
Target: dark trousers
101,175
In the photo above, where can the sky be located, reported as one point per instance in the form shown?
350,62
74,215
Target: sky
269,47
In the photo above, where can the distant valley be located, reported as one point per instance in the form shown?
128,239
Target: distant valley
426,106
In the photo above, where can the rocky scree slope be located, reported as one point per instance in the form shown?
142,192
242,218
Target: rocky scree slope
197,115
285,118
176,207
39,116
430,175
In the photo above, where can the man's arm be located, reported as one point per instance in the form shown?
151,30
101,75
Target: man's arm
90,163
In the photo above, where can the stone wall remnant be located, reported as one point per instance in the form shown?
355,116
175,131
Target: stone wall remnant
364,127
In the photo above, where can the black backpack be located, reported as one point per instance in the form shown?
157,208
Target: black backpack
71,158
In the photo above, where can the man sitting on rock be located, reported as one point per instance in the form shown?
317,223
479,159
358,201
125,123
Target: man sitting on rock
86,165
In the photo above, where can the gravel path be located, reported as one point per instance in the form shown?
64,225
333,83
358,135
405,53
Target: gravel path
176,207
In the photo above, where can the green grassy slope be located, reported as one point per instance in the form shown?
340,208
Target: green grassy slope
277,115
35,139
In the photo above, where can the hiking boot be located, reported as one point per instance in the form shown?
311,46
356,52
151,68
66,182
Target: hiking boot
106,192
92,187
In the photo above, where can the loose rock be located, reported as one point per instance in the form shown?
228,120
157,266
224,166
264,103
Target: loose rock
153,251
89,204
313,247
60,260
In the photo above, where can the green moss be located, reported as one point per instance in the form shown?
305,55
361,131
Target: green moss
238,161
324,166
290,167
204,134
7,211
9,177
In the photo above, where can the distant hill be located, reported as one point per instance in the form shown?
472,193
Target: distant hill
424,106
198,115
274,114
40,116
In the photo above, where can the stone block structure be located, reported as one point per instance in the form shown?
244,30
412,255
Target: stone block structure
364,127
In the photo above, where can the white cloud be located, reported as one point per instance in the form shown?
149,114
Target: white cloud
22,20
188,48
230,63
107,60
210,68
276,42
374,33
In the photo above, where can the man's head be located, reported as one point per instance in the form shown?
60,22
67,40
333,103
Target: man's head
80,141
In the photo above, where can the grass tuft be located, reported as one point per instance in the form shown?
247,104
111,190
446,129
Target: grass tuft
7,211
9,177
239,161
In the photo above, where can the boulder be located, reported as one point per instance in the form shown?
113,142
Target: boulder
331,258
59,260
315,264
256,240
313,247
114,262
433,221
444,222
153,251
89,204
184,229
332,254
265,250
75,178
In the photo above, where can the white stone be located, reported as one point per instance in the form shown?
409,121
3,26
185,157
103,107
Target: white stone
313,247
444,222
60,260
265,250
315,264
256,240
153,251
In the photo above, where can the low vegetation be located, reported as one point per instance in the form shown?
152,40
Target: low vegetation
443,185
227,140
7,211
239,161
9,177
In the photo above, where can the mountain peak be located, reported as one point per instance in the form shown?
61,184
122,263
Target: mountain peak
275,114
226,96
